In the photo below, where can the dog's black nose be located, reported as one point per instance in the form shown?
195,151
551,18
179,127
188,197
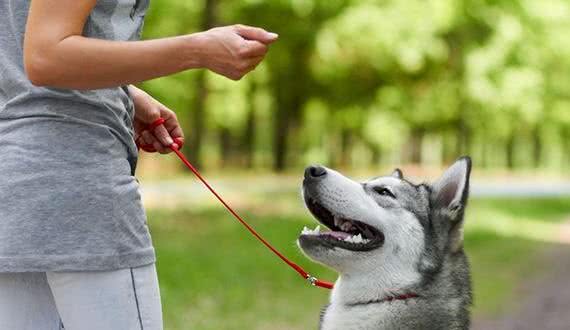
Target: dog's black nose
315,171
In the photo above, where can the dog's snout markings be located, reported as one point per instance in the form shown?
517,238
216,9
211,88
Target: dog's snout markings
379,237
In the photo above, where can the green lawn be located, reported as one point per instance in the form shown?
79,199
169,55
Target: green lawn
213,275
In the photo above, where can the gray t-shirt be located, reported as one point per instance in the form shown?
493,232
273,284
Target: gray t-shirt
68,197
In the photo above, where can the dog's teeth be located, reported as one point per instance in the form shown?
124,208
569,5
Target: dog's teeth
337,221
307,231
357,238
350,239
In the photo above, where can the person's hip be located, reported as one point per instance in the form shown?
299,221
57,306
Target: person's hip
125,299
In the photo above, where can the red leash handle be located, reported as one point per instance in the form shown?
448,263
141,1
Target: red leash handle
312,280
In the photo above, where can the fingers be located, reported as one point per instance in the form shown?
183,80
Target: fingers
163,136
254,48
173,126
177,135
179,143
254,33
150,140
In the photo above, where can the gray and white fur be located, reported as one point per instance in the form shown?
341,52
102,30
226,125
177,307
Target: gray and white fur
410,242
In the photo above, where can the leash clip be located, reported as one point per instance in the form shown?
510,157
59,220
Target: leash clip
312,280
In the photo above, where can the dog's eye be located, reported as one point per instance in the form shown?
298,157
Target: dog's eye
384,192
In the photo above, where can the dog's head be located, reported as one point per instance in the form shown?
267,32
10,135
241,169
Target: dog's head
386,224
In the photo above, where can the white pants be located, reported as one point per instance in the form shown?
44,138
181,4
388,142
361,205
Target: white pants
126,299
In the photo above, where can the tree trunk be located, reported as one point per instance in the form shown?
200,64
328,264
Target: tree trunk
566,147
415,145
345,147
484,162
280,132
463,137
198,129
536,147
289,85
198,109
510,149
225,146
447,150
376,154
248,143
289,102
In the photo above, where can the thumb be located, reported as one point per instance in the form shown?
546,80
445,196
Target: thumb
255,33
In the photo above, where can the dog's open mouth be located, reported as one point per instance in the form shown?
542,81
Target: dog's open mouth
344,233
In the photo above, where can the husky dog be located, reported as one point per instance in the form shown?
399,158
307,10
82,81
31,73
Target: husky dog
397,246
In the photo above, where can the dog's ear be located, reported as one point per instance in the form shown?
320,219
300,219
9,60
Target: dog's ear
452,189
450,193
398,174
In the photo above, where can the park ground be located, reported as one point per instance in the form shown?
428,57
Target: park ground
214,275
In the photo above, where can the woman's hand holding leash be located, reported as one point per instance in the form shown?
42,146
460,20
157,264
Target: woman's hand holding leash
156,127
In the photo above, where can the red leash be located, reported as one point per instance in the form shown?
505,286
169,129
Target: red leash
313,280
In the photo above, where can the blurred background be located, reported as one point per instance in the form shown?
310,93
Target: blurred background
363,87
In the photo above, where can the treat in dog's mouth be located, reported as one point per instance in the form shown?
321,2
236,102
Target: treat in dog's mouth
349,234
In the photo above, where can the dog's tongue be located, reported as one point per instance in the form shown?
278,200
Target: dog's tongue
341,235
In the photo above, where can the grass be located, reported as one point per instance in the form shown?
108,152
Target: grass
505,240
214,275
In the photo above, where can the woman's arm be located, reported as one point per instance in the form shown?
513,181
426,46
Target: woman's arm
57,55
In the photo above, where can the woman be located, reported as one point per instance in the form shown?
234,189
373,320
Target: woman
75,250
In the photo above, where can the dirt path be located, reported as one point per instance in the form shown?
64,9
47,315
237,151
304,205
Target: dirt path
545,303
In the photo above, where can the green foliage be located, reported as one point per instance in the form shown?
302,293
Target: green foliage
362,79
